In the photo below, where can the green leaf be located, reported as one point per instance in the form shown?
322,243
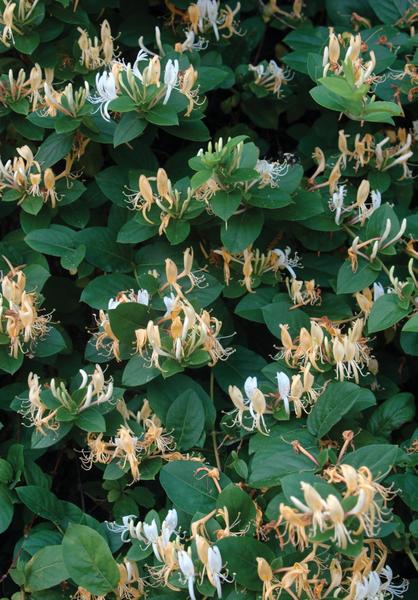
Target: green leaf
129,127
281,312
162,115
126,318
242,230
177,231
101,289
379,458
55,241
190,490
138,372
8,363
392,414
41,501
274,456
242,364
186,419
54,148
240,555
338,85
91,420
385,313
88,560
45,569
6,508
411,326
349,282
27,42
160,394
224,204
337,400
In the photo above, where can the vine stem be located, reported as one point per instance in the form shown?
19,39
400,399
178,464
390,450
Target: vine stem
411,557
213,434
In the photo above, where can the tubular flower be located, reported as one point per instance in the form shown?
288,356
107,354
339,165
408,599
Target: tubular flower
254,405
96,53
19,318
348,352
37,409
271,77
173,204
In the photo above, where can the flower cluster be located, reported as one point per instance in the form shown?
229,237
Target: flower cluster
96,53
327,344
23,178
206,15
254,264
175,561
20,322
47,404
145,85
362,72
362,509
128,448
271,77
169,202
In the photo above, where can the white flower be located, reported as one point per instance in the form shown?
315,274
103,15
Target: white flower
214,568
168,526
112,304
123,529
151,536
378,290
270,172
337,203
285,262
208,10
171,74
376,199
170,303
143,297
283,383
141,56
106,92
171,520
373,587
250,386
187,569
191,44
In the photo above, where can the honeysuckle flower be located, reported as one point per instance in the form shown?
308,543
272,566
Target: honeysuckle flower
271,77
187,570
336,204
171,74
214,568
377,585
378,290
171,303
106,92
190,43
124,529
271,172
208,10
169,526
283,383
284,261
250,385
150,531
143,297
112,304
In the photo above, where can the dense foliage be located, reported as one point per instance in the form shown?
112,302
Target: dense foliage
208,307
